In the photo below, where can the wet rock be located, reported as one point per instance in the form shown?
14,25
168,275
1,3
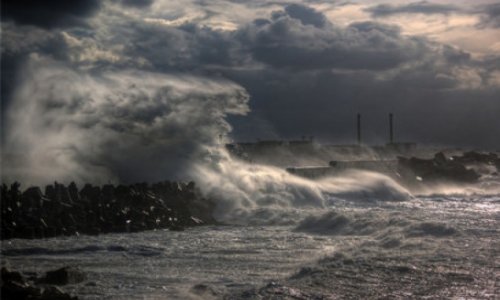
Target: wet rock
403,269
435,170
55,293
10,276
15,286
63,276
440,158
204,291
472,157
13,290
73,192
177,227
33,197
95,210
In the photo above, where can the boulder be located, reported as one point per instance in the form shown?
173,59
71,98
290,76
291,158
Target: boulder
33,197
63,276
14,286
55,293
10,276
440,158
13,290
473,157
205,291
437,169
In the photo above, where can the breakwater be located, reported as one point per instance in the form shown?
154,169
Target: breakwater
68,210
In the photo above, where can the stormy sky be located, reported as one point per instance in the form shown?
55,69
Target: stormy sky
305,68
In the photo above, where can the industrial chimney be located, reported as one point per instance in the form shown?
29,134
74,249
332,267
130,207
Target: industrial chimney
391,129
359,128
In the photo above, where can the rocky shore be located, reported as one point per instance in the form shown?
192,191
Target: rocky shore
458,169
40,287
67,210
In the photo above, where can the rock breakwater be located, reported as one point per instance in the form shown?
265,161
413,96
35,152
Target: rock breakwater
67,210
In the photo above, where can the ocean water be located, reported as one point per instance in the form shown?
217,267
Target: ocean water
429,246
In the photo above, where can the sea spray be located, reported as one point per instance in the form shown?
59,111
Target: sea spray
252,193
134,126
112,126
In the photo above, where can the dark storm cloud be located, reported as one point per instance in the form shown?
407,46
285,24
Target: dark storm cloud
137,3
490,16
49,14
287,41
429,106
30,26
306,15
185,48
423,7
296,38
433,89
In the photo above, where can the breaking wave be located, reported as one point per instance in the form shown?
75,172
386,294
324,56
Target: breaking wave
257,193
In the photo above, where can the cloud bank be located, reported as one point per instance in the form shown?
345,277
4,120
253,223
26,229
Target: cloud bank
116,85
422,7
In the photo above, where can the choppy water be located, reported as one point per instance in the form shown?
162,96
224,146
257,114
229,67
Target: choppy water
438,245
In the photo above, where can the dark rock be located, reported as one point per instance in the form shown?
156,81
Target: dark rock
473,157
73,192
33,197
91,283
15,290
25,232
15,287
204,291
50,192
55,293
10,276
437,169
65,211
440,158
63,276
176,227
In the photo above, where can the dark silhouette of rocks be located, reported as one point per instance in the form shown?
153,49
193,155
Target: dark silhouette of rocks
15,287
62,210
473,157
63,276
438,169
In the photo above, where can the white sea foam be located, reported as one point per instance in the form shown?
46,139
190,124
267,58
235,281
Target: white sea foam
248,192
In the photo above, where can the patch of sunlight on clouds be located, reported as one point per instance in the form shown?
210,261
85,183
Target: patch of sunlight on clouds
456,29
345,14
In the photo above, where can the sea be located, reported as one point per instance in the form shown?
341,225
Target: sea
429,246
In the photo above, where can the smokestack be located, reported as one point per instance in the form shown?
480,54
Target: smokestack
359,129
391,129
